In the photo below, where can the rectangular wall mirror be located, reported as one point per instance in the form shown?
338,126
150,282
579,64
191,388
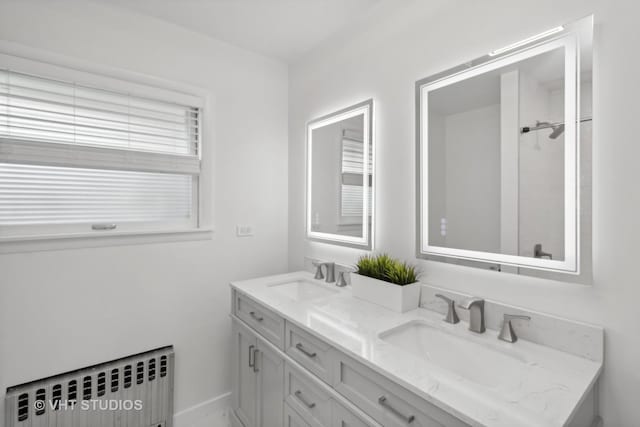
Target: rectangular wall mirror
340,177
504,145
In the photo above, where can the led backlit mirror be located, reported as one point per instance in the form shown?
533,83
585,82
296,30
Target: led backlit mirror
340,177
503,141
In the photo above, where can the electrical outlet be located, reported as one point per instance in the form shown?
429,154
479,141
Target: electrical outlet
244,230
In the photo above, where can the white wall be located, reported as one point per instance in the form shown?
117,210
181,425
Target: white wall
437,178
60,310
541,166
464,172
509,159
472,144
401,42
326,152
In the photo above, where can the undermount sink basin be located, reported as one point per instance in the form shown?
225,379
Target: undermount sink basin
302,290
473,361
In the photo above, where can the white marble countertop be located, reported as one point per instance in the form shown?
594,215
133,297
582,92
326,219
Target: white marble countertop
545,392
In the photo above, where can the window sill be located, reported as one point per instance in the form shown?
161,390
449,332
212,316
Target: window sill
52,242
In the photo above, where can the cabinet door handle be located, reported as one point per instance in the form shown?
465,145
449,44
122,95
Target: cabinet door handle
251,354
303,400
255,316
255,361
300,347
382,400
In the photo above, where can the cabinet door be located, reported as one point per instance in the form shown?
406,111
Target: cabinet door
245,379
270,367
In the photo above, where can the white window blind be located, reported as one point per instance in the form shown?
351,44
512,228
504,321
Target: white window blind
78,155
352,201
50,194
353,166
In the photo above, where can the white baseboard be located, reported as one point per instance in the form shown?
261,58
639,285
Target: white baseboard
210,413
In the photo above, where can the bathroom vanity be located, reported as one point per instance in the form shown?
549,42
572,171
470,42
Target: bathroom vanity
307,353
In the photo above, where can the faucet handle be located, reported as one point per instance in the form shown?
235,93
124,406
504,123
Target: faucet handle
342,281
330,269
507,333
452,316
319,275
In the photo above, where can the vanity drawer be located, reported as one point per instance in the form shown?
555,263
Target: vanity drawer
292,419
342,417
260,318
310,352
307,398
386,402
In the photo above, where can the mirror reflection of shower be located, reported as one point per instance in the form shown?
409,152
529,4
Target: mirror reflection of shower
557,129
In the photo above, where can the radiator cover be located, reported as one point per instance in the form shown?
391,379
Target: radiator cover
135,391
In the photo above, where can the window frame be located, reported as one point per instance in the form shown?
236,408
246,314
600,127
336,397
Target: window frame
40,63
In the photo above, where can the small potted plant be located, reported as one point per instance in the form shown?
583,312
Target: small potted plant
386,281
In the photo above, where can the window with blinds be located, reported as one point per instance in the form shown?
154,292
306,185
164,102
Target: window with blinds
78,158
353,165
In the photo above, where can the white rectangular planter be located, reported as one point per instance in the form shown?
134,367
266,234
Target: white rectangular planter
394,297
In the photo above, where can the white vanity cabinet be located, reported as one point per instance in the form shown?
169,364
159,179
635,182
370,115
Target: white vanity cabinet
258,371
283,375
309,354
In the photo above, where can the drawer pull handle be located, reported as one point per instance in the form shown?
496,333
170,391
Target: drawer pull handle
255,316
382,400
101,227
300,347
303,400
252,360
255,361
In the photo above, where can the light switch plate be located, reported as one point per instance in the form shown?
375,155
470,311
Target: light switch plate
244,230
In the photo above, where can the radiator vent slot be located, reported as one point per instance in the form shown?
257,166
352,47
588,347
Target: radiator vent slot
86,388
56,396
23,407
127,376
152,369
163,366
114,380
42,396
72,396
140,373
55,400
102,384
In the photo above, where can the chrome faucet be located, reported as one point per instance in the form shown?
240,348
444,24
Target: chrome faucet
507,333
342,281
452,316
475,306
330,268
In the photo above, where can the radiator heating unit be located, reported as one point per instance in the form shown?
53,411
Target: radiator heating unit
135,391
